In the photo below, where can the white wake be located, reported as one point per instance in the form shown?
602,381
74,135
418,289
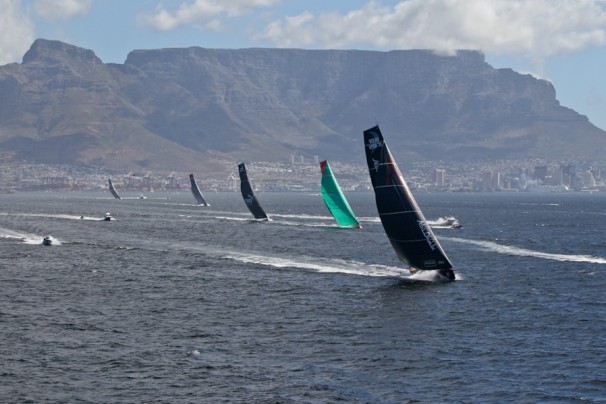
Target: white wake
27,238
524,252
320,265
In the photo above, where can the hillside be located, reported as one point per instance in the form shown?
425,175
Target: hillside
195,108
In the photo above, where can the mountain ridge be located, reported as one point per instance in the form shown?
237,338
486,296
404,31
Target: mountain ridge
181,109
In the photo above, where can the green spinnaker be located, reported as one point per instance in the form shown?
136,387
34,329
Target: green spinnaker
335,200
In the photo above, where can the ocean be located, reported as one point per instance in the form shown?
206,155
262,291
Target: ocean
176,303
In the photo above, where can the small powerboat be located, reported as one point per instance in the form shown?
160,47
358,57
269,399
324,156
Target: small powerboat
107,217
450,221
47,240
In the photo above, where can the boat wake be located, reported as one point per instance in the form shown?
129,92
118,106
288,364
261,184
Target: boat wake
246,218
25,237
524,252
308,263
329,225
238,219
321,265
301,216
61,216
445,222
440,223
7,233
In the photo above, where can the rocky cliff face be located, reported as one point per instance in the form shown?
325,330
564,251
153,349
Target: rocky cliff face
180,109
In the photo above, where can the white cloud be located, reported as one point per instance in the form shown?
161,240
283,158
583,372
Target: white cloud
204,13
532,28
61,9
16,31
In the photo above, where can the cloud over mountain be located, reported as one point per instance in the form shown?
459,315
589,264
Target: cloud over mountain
532,28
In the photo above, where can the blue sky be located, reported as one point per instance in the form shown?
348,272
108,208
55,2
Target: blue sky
563,41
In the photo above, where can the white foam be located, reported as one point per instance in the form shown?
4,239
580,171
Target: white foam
239,219
319,265
369,219
58,216
37,240
512,250
302,216
8,233
27,238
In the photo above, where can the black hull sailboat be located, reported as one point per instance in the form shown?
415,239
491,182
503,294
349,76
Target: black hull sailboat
249,196
196,191
112,189
404,223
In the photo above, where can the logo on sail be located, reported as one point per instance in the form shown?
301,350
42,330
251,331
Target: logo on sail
376,164
249,199
427,234
374,142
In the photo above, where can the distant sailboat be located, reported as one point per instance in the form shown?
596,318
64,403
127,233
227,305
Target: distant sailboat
249,196
196,191
335,200
113,190
404,223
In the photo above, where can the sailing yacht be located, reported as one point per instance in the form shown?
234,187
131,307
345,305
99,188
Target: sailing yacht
335,200
112,189
196,191
406,228
249,195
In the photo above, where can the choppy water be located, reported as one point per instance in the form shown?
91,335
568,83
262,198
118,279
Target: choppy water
177,303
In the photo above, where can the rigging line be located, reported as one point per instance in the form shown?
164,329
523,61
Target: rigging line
397,213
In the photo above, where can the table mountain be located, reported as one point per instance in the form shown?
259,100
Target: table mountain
203,109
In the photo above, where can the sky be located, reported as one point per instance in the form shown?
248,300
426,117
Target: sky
563,41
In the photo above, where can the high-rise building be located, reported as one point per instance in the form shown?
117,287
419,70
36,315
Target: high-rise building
440,177
540,173
491,180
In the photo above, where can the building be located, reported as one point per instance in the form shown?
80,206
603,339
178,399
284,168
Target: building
440,178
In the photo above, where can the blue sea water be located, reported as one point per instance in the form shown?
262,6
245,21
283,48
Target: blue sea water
172,302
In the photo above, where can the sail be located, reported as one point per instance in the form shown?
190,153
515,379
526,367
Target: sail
405,226
113,190
249,196
334,199
196,191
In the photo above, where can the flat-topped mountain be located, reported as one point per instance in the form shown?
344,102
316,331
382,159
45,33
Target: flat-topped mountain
203,109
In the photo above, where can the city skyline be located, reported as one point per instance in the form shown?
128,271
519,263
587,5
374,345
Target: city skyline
489,176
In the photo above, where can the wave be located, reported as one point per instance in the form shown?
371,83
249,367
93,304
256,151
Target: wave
524,252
